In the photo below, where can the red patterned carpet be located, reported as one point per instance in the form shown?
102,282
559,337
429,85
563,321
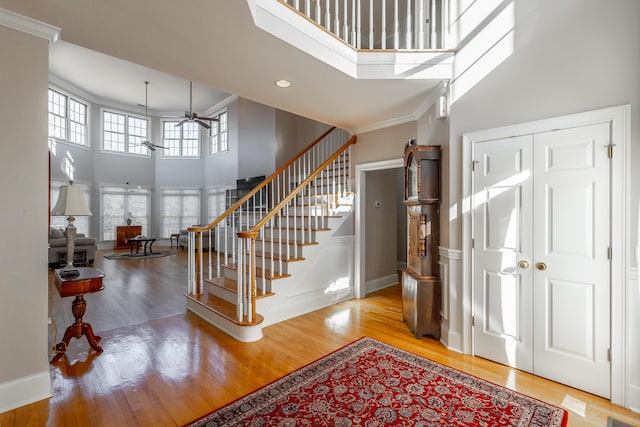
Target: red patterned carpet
369,383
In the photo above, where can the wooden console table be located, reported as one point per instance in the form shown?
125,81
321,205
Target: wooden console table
124,232
89,280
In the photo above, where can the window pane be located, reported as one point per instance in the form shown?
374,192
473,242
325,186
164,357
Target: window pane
138,210
77,122
112,214
137,134
180,209
57,105
113,125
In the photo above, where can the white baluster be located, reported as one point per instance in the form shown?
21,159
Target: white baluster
371,46
327,16
383,35
318,12
420,13
433,39
359,25
240,281
210,266
307,8
336,20
354,28
396,25
345,20
409,34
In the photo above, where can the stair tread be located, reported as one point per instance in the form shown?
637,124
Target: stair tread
301,228
222,308
232,286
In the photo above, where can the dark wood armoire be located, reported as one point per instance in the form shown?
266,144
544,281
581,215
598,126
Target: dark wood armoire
421,287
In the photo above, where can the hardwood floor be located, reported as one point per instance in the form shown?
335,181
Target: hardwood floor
164,366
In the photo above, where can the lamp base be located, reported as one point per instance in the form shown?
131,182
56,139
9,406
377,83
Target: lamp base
69,270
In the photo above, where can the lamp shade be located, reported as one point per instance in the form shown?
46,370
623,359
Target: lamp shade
71,202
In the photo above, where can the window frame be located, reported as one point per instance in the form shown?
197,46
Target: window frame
181,141
221,136
129,137
68,120
127,192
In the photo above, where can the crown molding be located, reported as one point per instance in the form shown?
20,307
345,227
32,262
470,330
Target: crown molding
30,26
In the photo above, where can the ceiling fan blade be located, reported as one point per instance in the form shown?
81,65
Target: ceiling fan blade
160,146
203,124
150,147
181,122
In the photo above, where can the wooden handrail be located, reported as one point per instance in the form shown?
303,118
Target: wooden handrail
257,188
302,185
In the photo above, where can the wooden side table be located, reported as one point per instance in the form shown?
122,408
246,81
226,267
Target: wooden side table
174,236
89,280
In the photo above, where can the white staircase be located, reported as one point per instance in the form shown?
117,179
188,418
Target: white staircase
270,246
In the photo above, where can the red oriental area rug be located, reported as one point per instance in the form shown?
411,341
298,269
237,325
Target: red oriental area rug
370,383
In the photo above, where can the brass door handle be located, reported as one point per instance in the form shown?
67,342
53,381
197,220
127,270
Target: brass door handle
541,266
523,264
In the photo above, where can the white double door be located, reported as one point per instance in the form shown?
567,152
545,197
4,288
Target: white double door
541,273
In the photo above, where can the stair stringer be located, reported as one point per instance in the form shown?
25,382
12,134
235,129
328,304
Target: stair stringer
324,278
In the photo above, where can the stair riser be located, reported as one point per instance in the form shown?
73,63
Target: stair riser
295,251
263,284
221,292
287,234
305,222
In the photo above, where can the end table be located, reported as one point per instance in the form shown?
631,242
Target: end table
89,280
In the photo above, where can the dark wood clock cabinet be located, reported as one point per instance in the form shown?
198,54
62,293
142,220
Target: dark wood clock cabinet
421,287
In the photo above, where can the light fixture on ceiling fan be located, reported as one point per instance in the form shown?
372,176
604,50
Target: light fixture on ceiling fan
147,143
190,116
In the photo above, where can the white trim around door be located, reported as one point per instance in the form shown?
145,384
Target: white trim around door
360,219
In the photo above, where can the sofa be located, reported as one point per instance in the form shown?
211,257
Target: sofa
58,245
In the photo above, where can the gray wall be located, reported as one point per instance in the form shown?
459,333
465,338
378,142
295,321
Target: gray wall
381,225
259,138
256,139
24,371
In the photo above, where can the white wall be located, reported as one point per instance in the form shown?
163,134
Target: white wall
24,371
527,60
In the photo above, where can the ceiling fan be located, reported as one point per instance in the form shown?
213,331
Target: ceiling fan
148,143
191,116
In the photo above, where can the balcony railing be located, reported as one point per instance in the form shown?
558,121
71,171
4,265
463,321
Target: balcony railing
379,24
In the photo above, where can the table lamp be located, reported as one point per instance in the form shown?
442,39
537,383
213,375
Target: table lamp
70,204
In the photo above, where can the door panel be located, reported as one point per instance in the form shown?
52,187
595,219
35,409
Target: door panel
502,299
571,224
544,199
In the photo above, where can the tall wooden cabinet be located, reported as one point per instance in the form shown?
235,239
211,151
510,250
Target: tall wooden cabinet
421,287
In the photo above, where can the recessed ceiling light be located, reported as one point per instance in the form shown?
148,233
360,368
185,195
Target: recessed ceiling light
283,83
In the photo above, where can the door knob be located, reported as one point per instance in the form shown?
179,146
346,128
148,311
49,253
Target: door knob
523,264
541,266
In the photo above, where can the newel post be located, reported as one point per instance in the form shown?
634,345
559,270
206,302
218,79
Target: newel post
247,274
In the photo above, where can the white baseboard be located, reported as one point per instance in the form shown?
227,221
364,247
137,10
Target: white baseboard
450,339
25,390
381,283
634,398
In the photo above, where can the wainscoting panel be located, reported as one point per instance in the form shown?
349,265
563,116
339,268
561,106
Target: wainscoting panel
450,261
633,340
